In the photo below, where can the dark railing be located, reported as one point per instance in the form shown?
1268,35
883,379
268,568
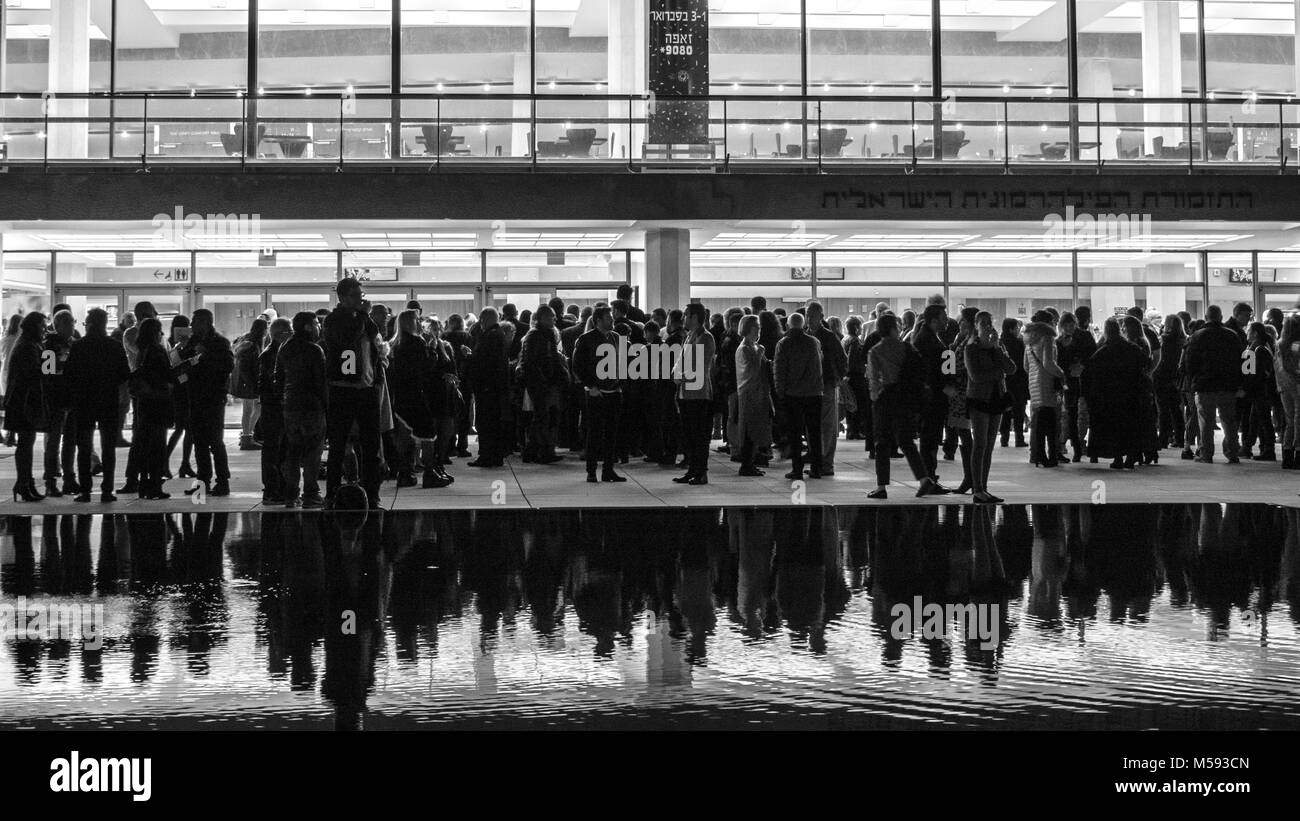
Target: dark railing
472,130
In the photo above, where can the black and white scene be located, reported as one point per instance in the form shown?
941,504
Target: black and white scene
894,370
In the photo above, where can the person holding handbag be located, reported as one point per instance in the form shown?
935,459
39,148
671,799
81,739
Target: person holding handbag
151,387
26,408
987,367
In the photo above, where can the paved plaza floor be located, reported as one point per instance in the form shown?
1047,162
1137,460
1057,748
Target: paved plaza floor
563,484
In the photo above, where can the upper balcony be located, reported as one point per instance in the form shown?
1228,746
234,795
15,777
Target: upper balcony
626,133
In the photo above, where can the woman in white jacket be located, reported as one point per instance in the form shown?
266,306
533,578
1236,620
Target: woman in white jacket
1045,379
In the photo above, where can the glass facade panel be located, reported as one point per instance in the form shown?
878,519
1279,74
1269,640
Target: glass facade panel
1020,301
1004,47
855,49
463,46
322,46
239,267
525,267
754,48
163,45
26,283
1250,48
382,268
1229,280
169,268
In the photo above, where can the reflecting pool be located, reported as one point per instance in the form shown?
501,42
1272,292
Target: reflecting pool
1052,616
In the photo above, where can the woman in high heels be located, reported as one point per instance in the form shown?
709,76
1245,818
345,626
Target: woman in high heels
23,405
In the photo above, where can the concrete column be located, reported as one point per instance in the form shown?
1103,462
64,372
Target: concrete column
1162,71
667,267
626,53
1096,80
521,110
69,69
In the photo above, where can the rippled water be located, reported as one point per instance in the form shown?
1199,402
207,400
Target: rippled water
1102,617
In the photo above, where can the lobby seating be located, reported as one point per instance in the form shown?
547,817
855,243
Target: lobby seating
233,143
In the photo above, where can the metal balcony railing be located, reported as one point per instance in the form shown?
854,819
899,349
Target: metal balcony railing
436,131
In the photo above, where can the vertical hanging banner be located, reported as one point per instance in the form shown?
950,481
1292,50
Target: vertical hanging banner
678,65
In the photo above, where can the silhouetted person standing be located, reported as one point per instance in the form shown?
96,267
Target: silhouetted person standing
96,368
604,397
206,365
488,375
352,351
798,375
300,383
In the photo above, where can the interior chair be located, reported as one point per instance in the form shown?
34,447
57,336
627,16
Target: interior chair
831,141
580,141
1218,141
1128,145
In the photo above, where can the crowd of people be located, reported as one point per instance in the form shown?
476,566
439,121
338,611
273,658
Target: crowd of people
397,397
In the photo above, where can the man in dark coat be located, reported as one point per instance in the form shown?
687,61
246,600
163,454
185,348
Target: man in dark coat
96,369
206,364
487,372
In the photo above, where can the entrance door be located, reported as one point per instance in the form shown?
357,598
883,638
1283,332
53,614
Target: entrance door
118,301
233,311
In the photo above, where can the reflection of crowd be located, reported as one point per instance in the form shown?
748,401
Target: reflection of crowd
341,582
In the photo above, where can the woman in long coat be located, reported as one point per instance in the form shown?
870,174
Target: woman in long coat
1112,386
22,401
753,396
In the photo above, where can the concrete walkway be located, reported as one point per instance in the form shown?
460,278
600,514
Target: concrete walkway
563,484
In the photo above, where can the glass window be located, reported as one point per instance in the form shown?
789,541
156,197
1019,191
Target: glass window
53,46
26,283
722,279
855,49
556,266
254,267
380,267
997,267
1250,47
1164,283
451,46
1002,46
1230,279
1020,301
165,45
1279,268
324,45
169,268
1142,47
754,47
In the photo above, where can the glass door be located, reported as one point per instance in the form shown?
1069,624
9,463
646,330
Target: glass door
167,303
233,311
80,301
